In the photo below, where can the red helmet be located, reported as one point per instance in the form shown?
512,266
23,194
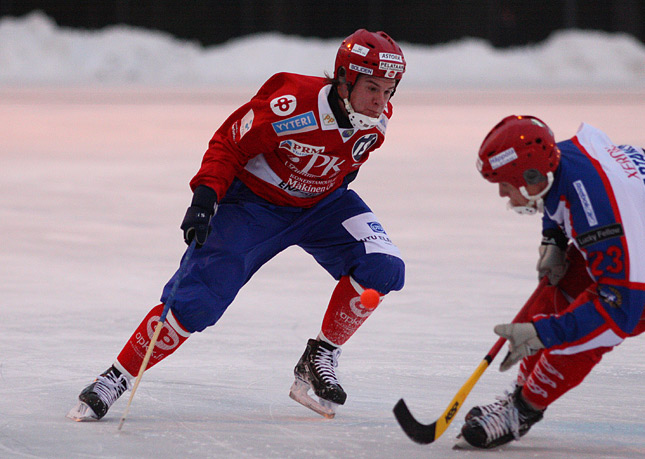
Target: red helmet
369,53
520,150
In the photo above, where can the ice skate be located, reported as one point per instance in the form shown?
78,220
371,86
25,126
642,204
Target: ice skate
478,411
315,371
499,423
96,399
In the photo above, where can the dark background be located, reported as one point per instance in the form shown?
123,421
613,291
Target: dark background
503,23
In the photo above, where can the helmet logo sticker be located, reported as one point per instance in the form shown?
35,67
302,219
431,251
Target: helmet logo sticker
391,66
503,158
359,49
283,105
358,68
390,57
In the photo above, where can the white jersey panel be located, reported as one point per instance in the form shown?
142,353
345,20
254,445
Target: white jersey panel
628,187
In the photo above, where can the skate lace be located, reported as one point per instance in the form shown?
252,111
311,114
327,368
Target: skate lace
501,420
325,362
501,401
109,387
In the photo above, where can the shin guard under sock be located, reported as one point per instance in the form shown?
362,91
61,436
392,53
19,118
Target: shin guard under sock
171,337
345,312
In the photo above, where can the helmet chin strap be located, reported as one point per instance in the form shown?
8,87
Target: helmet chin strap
536,203
531,208
358,120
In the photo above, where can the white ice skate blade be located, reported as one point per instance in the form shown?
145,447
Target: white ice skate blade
298,392
81,412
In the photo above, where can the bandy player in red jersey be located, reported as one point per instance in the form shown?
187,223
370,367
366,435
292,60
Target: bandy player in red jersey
275,175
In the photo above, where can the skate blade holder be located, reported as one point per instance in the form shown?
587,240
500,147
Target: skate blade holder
81,412
299,393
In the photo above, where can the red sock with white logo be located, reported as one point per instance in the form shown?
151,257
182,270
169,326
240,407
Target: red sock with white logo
345,312
554,375
171,337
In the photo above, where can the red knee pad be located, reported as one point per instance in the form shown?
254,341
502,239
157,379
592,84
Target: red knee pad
345,312
172,336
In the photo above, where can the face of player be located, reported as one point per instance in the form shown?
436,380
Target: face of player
370,95
516,199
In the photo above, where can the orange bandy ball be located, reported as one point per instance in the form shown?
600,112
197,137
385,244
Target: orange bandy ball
370,298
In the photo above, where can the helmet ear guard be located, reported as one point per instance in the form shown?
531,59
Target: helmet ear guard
536,203
343,87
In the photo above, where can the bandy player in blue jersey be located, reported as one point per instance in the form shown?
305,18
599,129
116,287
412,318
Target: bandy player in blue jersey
592,194
275,175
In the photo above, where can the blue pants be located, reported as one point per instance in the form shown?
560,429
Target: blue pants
340,232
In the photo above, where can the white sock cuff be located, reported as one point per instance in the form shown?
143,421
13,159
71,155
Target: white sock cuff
172,321
359,289
322,337
123,371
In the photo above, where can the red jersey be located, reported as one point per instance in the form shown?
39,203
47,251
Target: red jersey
285,144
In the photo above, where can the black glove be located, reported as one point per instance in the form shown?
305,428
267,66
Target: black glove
196,224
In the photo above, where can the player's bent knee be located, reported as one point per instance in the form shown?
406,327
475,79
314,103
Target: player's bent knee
380,271
197,314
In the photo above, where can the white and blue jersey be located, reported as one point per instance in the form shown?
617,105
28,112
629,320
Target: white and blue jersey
598,200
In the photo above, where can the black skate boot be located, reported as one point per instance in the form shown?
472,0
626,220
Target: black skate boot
97,398
478,411
507,420
315,371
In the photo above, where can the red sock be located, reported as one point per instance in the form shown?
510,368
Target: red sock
554,375
526,367
171,337
345,312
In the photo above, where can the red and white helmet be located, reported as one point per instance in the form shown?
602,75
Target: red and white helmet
521,151
369,53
